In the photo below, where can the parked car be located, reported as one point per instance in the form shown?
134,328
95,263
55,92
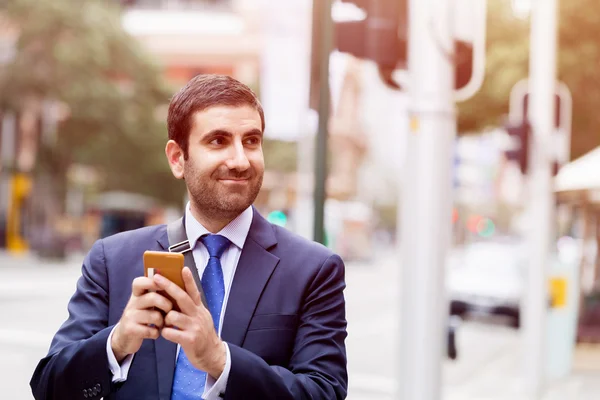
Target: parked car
487,279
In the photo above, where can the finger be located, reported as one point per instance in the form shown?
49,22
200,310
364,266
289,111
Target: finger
174,335
177,319
184,301
142,284
146,332
154,299
150,317
190,286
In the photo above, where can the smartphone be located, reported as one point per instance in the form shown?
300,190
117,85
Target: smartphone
169,265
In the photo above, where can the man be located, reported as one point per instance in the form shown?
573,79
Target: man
274,326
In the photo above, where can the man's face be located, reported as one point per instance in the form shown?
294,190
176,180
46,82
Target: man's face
225,165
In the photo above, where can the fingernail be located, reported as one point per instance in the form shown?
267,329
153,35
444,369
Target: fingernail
159,278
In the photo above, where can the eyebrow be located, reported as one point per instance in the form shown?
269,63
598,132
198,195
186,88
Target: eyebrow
223,132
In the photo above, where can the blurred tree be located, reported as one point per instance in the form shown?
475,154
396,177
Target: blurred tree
508,62
75,53
579,57
280,155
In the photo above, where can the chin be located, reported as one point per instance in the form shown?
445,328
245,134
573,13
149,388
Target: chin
234,204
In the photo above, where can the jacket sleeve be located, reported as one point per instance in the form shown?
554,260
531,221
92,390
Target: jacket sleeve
317,368
76,366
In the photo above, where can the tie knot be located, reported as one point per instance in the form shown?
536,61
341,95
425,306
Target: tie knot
215,244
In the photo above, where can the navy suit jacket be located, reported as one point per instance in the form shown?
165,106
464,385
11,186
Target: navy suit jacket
285,323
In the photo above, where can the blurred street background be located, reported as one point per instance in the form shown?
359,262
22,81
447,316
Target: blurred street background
452,148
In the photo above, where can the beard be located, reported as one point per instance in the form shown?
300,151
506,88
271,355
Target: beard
218,200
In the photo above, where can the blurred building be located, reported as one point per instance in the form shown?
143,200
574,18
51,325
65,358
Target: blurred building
193,37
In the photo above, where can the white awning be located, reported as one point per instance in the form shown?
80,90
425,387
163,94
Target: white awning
580,174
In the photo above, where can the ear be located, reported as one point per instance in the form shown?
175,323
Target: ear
175,157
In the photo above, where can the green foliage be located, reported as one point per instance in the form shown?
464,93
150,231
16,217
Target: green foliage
508,62
280,155
579,57
76,52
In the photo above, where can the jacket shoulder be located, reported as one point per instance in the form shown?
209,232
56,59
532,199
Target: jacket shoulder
134,238
290,242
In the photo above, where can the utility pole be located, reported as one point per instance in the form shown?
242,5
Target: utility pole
325,46
426,199
542,81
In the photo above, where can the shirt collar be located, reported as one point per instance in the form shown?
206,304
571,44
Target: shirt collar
236,231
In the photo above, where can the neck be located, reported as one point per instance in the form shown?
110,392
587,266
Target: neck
213,224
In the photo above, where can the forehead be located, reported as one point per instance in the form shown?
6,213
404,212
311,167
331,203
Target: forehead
235,119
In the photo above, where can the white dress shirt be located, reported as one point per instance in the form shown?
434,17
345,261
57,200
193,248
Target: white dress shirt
236,231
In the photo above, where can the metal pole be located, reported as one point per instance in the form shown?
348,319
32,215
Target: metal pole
542,71
517,99
326,44
426,200
303,224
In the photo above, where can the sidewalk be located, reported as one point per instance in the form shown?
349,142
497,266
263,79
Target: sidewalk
26,275
489,367
587,359
502,380
30,260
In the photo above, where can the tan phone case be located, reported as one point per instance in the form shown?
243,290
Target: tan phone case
169,265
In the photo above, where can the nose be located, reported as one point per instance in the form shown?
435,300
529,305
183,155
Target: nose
238,159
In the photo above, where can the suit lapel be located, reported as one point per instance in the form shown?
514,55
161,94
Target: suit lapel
163,238
253,271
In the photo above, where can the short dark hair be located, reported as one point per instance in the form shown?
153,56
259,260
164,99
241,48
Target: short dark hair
202,92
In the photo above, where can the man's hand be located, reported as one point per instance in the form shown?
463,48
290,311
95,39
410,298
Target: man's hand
139,314
195,330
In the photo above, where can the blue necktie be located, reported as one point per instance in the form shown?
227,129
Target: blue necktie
188,382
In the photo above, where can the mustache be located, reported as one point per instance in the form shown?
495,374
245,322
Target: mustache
234,174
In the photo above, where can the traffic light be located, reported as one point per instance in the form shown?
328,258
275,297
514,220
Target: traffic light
520,133
463,63
381,36
375,37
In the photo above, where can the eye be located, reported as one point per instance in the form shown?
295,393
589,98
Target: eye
218,141
253,141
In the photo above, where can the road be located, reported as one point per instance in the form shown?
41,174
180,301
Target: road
34,294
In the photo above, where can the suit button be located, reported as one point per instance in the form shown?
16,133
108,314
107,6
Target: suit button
85,393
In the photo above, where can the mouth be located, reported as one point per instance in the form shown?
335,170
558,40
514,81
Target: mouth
234,181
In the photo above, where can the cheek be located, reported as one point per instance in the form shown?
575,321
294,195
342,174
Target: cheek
257,161
201,164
